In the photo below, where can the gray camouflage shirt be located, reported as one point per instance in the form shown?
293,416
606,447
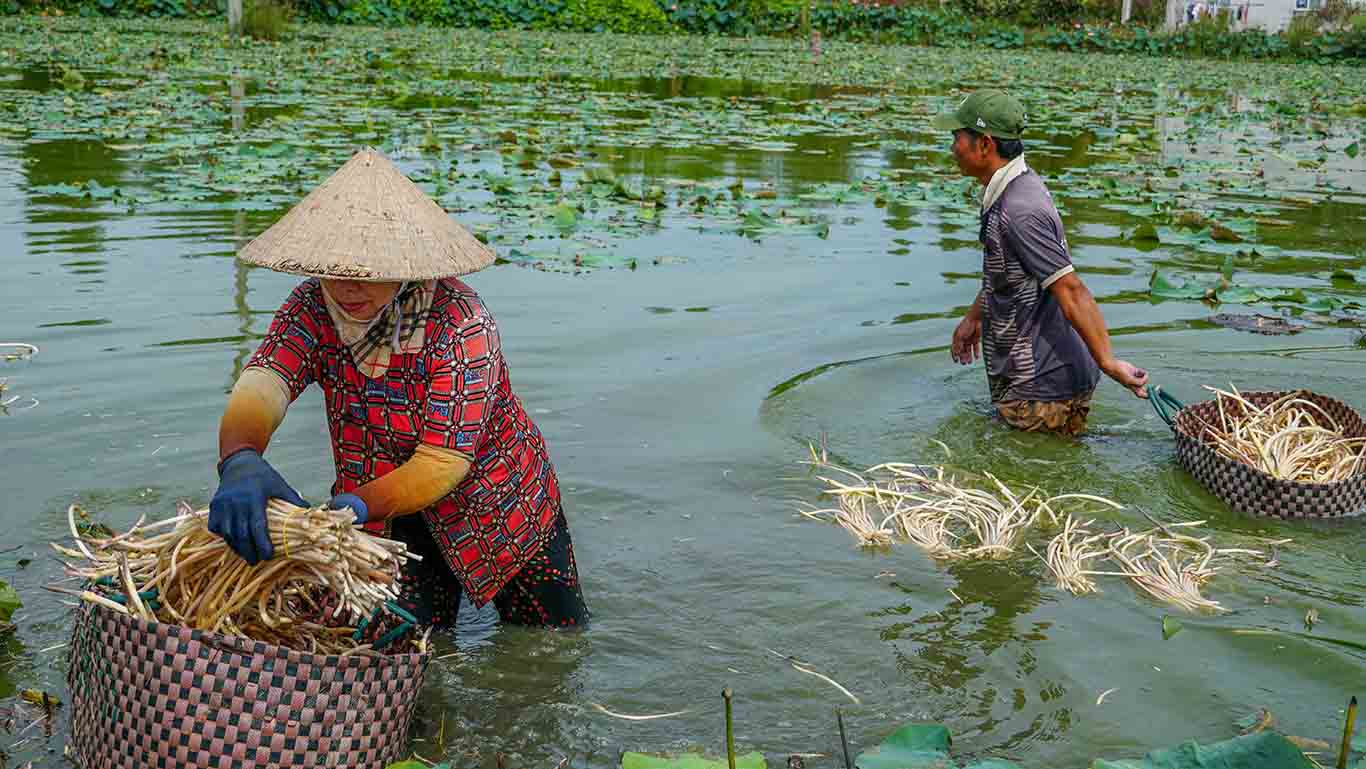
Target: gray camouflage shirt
1030,349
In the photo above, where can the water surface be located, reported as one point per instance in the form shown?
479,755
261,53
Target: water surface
681,348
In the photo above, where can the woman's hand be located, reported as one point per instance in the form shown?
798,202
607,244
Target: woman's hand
354,502
237,512
967,340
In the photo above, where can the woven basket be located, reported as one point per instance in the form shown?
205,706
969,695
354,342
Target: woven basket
149,695
1252,491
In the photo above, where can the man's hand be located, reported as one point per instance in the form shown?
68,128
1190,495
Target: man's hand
1127,374
967,340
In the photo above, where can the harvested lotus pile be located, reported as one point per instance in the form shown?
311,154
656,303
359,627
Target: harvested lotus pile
965,517
1291,439
1165,562
330,589
950,517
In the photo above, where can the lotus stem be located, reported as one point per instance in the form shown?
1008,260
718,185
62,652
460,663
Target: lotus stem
1291,438
326,578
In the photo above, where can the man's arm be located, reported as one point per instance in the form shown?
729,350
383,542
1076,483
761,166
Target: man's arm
966,345
975,311
1081,310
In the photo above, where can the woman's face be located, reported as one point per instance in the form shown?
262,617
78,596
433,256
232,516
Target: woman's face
360,299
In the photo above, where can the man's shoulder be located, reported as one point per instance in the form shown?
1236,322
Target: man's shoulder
1026,195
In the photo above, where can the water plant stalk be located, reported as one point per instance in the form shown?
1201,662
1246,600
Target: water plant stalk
844,740
1347,731
730,728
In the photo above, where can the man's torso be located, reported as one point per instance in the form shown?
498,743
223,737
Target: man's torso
1030,349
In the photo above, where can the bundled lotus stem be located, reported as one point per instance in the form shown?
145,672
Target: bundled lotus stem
1163,562
1069,553
1291,439
953,520
326,579
934,510
1170,568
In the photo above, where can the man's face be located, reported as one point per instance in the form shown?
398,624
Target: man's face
970,152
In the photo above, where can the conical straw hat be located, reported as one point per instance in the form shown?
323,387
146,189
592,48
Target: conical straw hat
368,222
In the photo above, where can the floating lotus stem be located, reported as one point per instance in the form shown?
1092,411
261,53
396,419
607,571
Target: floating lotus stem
987,519
17,350
947,517
1068,554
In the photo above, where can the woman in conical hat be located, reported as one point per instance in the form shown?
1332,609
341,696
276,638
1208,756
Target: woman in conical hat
431,445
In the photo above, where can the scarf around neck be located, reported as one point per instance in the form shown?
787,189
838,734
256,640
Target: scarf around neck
398,328
1001,179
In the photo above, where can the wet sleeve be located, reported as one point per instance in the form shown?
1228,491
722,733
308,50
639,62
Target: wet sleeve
289,346
256,407
427,476
1038,241
466,366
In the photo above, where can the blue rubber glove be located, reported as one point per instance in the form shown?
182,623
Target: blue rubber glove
354,502
237,512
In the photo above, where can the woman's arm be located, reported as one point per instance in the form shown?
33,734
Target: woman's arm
429,475
255,409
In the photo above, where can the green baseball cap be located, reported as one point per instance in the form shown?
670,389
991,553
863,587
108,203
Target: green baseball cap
991,112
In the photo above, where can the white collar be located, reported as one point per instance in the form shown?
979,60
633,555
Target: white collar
1001,179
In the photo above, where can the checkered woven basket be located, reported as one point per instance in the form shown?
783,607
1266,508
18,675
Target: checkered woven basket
148,695
1252,491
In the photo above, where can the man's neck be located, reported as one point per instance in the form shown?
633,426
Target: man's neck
991,169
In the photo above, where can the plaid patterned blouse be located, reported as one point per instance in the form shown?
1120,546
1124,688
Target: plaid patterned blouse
452,394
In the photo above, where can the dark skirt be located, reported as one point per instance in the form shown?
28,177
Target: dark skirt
544,593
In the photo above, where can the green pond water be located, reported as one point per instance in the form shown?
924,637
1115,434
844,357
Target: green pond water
715,251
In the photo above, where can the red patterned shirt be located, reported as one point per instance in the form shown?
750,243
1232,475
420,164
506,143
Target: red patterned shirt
453,394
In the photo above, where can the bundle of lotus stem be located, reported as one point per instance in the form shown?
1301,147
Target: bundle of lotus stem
1069,552
1163,562
928,507
1291,439
326,579
932,509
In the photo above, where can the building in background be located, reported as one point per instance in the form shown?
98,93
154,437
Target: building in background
1268,15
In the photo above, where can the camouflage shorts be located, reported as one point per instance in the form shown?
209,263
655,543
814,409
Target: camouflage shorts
1062,417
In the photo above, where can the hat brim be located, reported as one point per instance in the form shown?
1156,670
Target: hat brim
948,122
368,222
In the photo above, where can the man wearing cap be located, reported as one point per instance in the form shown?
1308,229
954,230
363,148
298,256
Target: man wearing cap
1039,330
431,446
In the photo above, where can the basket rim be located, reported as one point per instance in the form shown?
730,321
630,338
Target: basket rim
1182,433
235,644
